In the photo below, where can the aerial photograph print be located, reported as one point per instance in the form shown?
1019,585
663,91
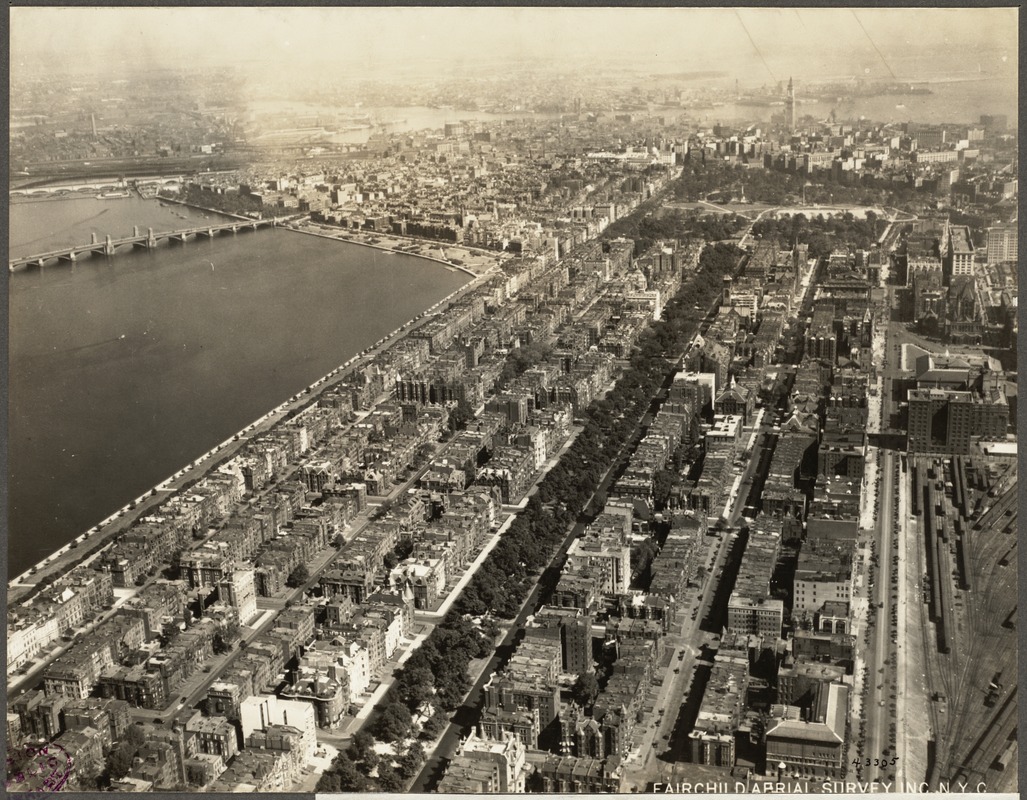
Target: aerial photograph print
512,399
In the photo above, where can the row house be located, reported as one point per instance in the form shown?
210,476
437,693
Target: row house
373,637
211,735
259,464
226,694
163,538
41,715
332,675
84,749
294,627
354,581
78,669
110,717
781,495
617,708
250,771
511,470
421,579
128,564
160,601
674,571
581,587
707,495
570,775
486,766
68,603
451,547
507,693
206,566
834,511
153,683
328,695
723,706
139,685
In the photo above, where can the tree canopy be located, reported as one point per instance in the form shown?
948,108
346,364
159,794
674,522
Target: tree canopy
392,723
342,776
585,690
460,415
299,576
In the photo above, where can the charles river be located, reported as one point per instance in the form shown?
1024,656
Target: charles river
124,370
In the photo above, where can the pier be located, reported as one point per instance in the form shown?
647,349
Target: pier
147,241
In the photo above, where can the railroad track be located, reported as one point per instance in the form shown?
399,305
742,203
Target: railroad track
935,679
974,652
990,744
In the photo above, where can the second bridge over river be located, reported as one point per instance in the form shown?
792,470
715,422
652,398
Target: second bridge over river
109,246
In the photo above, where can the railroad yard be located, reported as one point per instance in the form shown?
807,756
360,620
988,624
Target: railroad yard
965,515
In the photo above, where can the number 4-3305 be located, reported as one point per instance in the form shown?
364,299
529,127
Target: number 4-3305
876,762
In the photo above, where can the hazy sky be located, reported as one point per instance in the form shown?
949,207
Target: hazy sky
760,44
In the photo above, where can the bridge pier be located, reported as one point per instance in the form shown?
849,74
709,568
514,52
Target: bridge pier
108,246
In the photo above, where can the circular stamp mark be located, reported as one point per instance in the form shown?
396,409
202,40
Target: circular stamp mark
38,768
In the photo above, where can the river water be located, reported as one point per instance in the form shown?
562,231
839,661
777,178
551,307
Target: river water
38,226
124,370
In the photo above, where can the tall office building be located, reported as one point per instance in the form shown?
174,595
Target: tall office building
1002,244
946,421
958,260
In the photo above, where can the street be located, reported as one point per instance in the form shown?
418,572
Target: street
685,646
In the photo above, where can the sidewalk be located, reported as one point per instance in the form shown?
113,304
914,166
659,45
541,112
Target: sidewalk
356,722
432,618
438,614
756,424
900,629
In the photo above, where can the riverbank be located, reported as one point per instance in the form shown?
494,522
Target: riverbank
228,214
53,197
474,261
88,545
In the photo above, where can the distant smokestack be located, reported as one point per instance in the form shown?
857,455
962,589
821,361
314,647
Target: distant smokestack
92,119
